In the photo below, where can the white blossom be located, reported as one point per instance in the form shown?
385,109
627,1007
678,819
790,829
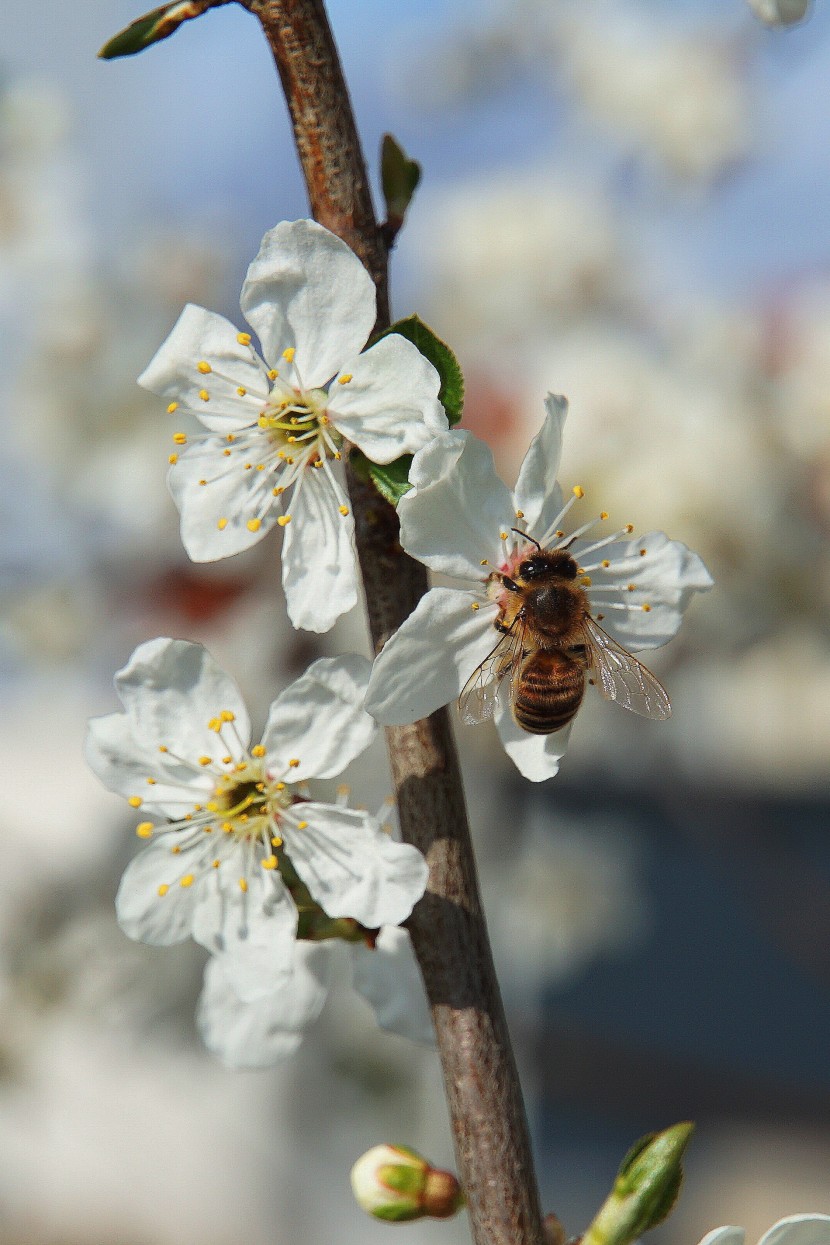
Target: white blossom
780,12
461,520
275,428
253,1033
794,1230
232,826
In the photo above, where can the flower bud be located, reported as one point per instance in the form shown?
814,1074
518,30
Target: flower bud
780,12
398,1184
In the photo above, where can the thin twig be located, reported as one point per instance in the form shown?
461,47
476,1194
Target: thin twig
448,928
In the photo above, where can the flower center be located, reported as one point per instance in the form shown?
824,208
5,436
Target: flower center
297,424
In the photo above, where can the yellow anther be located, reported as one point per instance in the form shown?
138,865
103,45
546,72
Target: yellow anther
174,406
288,354
483,562
284,519
248,466
502,535
344,510
647,608
222,524
344,789
244,339
629,527
603,514
294,762
204,395
520,514
258,750
269,862
212,806
162,747
197,808
344,379
204,367
278,491
186,881
173,459
475,606
630,587
241,390
216,864
208,829
230,438
605,563
291,440
253,525
643,552
302,825
215,724
144,829
317,463
203,483
579,491
260,466
227,826
163,889
243,884
240,767
337,455
226,453
559,535
273,374
176,850
227,760
280,786
179,438
586,581
151,782
276,841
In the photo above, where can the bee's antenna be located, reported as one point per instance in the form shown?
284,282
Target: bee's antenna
527,537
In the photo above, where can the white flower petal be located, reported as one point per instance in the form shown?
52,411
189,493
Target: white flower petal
353,868
319,720
799,1230
255,1034
724,1236
307,291
537,493
123,762
216,514
200,336
252,929
429,659
536,757
143,913
665,578
454,515
171,689
319,572
390,405
389,979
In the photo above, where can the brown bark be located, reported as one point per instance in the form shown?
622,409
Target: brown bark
448,928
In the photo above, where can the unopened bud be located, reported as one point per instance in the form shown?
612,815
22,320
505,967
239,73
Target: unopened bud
553,1231
780,12
398,1184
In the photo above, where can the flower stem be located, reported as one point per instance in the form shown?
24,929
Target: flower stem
447,927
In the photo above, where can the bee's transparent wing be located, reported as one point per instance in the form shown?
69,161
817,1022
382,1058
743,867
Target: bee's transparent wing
623,678
480,694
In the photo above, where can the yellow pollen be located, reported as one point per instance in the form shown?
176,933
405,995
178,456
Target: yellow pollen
175,851
605,563
227,715
344,380
240,767
173,459
273,374
643,552
278,492
226,453
244,339
294,762
520,514
174,406
301,825
163,889
317,463
288,354
204,367
483,562
578,490
151,782
187,880
260,466
629,527
630,587
269,862
204,395
647,608
290,462
162,747
253,525
280,786
205,760
216,864
179,438
502,535
227,760
197,808
212,806
227,826
344,510
230,438
241,390
203,483
337,455
248,466
276,841
222,524
284,519
144,829
475,606
243,884
258,750
603,514
586,581
215,724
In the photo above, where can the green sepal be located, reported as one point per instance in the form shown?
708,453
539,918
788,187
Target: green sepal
399,177
403,1178
451,393
397,1214
153,27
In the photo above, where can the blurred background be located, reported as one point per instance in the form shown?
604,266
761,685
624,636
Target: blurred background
625,202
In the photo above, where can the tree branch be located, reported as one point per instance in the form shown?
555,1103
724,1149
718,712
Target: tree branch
447,927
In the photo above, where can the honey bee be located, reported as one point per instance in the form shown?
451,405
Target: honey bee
549,641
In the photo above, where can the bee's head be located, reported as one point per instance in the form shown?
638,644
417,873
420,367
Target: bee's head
547,566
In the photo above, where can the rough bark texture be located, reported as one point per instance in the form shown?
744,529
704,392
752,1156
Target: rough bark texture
448,928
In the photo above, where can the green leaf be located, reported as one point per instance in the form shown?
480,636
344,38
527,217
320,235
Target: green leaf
451,393
153,27
399,178
390,479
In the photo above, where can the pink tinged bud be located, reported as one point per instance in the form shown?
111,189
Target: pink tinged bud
553,1231
397,1184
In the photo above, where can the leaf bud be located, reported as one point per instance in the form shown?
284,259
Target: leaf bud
398,1184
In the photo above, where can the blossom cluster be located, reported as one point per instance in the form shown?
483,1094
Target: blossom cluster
241,855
